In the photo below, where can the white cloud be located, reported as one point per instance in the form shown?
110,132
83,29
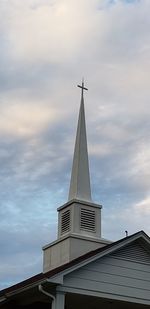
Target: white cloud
51,32
143,208
24,117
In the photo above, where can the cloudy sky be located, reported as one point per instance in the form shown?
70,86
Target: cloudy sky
46,47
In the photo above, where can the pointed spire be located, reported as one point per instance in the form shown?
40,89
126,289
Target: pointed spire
80,178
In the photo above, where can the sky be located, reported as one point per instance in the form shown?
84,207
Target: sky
46,47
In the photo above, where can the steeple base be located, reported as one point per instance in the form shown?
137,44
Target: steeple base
69,248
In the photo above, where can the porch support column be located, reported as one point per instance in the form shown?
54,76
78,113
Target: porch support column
60,300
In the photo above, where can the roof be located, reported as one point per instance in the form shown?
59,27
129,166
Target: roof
42,277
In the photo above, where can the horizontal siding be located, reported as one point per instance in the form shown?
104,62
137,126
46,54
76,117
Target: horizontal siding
108,288
113,275
127,269
116,279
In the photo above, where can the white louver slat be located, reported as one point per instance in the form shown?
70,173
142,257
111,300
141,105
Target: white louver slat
87,220
65,222
135,252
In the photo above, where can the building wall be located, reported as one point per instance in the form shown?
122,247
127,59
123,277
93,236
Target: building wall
115,276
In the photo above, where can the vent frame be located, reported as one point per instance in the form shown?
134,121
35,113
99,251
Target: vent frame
65,221
87,220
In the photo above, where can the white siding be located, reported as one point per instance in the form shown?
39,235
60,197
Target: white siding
115,275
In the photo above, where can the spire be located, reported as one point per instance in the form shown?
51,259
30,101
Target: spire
80,178
79,220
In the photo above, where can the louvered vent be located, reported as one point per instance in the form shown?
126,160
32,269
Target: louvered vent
134,252
87,220
65,222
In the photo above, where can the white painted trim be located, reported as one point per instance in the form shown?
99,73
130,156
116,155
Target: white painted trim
57,280
86,203
60,299
73,235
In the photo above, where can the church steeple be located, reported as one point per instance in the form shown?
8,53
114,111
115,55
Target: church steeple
79,220
80,216
80,178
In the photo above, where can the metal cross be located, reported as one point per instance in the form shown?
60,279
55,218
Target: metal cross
82,88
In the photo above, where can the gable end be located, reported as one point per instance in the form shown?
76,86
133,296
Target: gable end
135,251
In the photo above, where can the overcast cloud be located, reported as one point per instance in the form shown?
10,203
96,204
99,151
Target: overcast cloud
46,46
